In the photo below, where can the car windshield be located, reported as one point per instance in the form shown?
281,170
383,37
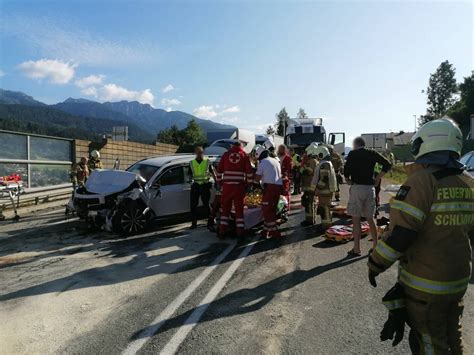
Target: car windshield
144,170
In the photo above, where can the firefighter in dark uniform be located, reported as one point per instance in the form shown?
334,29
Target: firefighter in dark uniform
202,172
431,222
337,164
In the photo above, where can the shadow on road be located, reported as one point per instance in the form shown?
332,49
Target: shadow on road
249,300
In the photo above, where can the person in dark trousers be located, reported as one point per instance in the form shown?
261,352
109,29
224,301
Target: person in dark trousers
359,172
201,172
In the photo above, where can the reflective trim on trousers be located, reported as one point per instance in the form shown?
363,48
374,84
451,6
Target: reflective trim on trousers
427,344
431,286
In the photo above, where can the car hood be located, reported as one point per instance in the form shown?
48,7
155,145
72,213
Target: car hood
109,181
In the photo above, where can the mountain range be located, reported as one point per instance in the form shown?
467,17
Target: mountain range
143,120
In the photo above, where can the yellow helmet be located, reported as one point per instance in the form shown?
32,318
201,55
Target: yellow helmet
437,135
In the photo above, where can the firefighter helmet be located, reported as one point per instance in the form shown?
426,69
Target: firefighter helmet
437,135
258,152
95,154
321,152
312,149
269,145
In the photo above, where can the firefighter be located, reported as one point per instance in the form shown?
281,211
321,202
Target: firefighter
94,161
324,184
235,173
79,173
377,170
308,164
201,171
430,222
286,167
337,164
269,174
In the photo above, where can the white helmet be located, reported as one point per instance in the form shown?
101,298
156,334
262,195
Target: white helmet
312,149
258,152
268,144
95,154
437,135
321,151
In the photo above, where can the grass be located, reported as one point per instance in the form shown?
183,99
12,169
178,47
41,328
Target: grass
397,175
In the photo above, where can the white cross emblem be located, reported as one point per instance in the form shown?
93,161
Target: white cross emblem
234,158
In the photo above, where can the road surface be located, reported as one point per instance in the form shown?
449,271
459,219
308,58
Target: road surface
67,289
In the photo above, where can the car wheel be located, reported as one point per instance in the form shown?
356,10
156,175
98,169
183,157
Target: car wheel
129,219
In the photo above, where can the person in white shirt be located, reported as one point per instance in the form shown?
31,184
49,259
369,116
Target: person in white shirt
269,174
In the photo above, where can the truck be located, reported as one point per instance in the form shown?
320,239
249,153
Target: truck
376,141
221,140
302,132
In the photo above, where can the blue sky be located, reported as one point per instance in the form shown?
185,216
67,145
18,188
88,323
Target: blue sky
359,65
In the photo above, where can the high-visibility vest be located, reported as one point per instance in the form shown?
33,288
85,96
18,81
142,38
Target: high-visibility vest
377,168
200,171
295,159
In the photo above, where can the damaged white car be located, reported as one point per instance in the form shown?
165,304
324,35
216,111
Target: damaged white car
126,201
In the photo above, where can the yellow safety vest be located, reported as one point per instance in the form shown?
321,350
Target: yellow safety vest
295,161
200,171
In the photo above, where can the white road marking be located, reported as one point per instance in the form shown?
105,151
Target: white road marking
194,318
168,312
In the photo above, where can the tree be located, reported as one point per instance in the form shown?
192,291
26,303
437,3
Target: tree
186,138
441,89
301,114
281,120
270,130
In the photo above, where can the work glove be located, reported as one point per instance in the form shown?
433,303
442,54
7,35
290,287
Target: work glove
394,327
372,276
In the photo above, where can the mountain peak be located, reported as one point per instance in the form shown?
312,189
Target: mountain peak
71,100
18,98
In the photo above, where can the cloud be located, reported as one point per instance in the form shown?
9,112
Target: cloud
170,102
90,80
167,88
2,73
90,91
62,39
205,112
53,70
113,92
231,109
168,109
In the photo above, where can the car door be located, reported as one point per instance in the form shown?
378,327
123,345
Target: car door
175,191
338,141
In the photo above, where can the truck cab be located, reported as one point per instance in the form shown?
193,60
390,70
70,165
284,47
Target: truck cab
303,132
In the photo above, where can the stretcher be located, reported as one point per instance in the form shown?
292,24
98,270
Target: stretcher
343,233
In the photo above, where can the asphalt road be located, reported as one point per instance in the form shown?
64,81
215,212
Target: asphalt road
67,289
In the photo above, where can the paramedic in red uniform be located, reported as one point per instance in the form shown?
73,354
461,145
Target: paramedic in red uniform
269,174
286,171
236,175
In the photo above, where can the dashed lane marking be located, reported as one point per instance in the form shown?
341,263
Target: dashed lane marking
168,312
194,318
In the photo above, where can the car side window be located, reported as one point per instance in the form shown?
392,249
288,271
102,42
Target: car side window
173,176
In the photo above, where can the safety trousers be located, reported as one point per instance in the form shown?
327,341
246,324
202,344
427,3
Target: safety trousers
232,194
203,192
271,196
324,209
216,210
436,326
307,200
